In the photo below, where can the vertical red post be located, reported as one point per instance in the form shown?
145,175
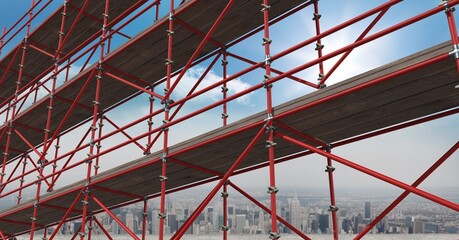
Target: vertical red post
95,116
91,226
45,233
224,87
46,145
272,189
144,219
329,169
319,45
21,181
151,100
56,154
166,102
98,145
453,31
225,226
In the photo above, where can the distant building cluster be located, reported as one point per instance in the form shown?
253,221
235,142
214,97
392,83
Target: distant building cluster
308,216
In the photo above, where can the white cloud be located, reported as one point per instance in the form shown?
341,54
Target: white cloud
193,75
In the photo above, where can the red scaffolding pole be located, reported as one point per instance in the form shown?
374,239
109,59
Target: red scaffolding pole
19,134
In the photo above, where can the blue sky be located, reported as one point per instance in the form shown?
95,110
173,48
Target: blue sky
417,146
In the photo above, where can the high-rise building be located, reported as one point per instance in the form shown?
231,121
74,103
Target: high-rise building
324,222
295,212
367,210
418,226
130,220
154,222
240,223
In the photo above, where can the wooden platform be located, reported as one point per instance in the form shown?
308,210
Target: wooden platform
46,37
419,93
145,60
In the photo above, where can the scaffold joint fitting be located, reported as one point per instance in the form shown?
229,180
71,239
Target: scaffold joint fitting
455,53
162,178
267,61
266,41
319,46
270,144
161,215
224,115
274,235
265,7
225,89
164,158
333,208
224,62
224,228
446,6
169,62
225,194
329,169
273,190
316,16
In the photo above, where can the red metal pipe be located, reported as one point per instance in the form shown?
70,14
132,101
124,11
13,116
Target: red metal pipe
424,176
144,219
262,206
364,85
57,175
29,144
2,235
331,186
124,133
98,145
70,110
297,79
103,228
346,54
70,31
319,45
41,51
28,22
76,49
224,91
197,32
9,67
196,167
72,206
142,89
238,172
372,173
200,47
301,134
39,170
165,131
20,19
222,181
130,195
274,234
225,226
117,220
177,110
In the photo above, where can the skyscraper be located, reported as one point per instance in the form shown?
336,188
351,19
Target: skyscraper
367,210
130,220
295,212
240,223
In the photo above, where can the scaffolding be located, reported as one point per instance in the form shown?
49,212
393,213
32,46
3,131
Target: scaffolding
44,105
